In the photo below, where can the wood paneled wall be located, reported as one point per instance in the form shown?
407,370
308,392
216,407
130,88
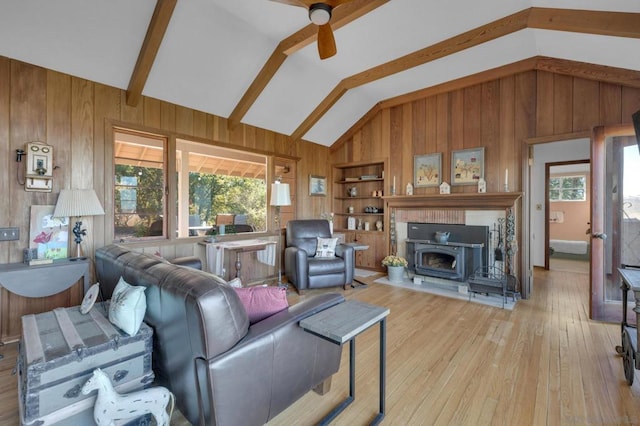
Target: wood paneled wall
72,115
497,115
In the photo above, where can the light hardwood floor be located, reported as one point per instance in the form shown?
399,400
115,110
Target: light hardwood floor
454,362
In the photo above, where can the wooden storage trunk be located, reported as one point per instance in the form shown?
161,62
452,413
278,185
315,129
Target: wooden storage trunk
59,351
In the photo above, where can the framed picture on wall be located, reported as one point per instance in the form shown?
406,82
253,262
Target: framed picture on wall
427,170
317,185
467,166
48,235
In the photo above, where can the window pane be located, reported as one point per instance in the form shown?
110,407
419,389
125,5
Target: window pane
139,186
573,182
222,185
572,194
568,188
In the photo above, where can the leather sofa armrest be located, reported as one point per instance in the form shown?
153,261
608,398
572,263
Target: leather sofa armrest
276,353
296,266
347,252
295,313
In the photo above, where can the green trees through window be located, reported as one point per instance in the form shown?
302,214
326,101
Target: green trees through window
209,181
568,188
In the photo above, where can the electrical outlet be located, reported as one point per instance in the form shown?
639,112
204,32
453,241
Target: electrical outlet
9,234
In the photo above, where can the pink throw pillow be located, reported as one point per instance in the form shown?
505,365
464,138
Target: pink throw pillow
262,302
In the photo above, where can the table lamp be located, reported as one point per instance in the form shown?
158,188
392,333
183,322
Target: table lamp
280,196
77,203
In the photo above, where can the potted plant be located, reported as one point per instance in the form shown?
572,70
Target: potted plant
395,267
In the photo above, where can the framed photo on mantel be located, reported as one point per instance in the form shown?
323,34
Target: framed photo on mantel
427,170
467,166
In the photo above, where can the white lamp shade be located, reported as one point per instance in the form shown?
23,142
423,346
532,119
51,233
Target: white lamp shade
77,203
280,194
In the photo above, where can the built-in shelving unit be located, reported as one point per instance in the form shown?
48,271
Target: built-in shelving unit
364,204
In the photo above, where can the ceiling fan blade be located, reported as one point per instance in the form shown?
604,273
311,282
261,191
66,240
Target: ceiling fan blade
326,42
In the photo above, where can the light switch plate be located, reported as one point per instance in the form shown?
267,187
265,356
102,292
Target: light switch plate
9,234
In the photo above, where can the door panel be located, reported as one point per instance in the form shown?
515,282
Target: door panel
607,221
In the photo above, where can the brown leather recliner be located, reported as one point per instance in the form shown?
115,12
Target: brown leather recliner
221,369
303,269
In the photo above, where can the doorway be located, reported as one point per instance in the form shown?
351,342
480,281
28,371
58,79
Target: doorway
615,217
567,216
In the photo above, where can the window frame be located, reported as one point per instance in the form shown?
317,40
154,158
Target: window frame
171,189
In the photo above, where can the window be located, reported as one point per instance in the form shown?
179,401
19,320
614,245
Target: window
212,185
217,185
567,188
139,185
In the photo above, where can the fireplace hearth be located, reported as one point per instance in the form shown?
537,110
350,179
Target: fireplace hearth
456,259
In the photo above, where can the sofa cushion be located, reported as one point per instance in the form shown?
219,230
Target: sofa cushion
262,302
324,266
128,306
326,247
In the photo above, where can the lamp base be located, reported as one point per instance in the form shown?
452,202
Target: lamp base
78,253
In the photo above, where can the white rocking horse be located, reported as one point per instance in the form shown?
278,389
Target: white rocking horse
111,406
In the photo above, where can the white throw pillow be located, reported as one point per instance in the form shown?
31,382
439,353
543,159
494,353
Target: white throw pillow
128,306
326,247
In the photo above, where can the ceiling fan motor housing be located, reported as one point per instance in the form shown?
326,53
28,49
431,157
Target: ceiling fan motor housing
320,13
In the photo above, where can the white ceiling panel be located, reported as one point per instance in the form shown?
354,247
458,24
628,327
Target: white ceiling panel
214,49
96,40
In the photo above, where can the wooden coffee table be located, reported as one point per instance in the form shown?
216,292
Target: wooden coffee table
342,323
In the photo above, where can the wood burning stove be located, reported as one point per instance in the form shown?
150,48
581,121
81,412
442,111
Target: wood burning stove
456,259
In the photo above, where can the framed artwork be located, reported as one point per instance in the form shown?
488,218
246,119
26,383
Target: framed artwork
427,170
467,166
317,185
48,235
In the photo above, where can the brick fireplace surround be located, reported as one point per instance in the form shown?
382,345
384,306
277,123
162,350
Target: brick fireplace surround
455,208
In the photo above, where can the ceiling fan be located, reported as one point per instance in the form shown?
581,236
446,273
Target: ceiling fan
320,14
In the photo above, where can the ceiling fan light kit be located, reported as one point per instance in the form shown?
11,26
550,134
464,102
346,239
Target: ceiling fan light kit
320,13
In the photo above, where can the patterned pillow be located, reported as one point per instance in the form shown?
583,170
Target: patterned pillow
128,306
262,302
326,247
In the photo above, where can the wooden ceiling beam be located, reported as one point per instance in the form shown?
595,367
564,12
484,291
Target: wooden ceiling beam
624,77
320,110
616,24
290,45
152,40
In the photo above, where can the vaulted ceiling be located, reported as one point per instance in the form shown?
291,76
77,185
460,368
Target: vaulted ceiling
256,61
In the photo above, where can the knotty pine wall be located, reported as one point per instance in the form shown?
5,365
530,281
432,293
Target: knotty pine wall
497,115
71,114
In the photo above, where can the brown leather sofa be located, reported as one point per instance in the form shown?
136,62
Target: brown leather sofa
222,370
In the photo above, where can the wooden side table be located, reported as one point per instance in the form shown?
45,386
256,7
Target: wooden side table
342,323
44,280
